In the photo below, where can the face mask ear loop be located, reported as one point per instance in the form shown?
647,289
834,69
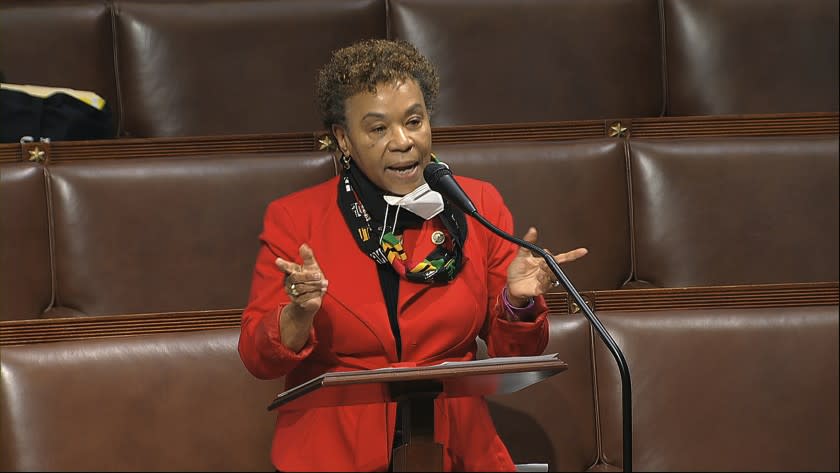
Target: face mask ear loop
384,223
396,215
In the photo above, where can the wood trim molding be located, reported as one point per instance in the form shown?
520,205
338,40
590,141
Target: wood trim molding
22,332
794,124
751,296
791,124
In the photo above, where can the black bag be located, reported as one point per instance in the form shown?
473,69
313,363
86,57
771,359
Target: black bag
59,116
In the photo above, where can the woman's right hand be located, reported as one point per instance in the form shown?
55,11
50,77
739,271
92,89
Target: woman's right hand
305,284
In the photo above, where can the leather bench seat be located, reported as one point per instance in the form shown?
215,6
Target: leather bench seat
719,389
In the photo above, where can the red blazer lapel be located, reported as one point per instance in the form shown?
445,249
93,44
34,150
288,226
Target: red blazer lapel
354,282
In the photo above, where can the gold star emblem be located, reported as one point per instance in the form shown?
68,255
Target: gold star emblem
616,129
325,143
36,154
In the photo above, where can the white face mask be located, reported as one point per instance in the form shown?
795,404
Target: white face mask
423,202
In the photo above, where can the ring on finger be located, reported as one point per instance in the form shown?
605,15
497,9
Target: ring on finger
555,283
293,290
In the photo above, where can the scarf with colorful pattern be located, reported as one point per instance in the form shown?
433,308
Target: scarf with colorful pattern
367,215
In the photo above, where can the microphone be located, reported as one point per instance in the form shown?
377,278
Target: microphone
440,179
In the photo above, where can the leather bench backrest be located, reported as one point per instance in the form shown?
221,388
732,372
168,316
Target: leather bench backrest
167,234
722,211
26,274
537,60
574,193
553,421
751,56
178,68
227,67
724,389
163,402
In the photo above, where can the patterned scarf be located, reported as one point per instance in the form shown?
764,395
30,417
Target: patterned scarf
375,226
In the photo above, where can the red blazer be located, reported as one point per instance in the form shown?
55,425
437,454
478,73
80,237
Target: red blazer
351,331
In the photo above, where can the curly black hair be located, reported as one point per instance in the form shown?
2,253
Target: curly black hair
362,65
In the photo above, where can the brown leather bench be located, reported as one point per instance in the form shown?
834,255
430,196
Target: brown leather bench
574,193
667,213
187,228
248,67
26,282
203,210
724,389
166,399
539,61
720,211
163,402
716,388
713,389
717,62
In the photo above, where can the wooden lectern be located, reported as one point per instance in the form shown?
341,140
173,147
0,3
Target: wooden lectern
417,388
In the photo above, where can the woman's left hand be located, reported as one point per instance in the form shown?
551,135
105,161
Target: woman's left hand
529,276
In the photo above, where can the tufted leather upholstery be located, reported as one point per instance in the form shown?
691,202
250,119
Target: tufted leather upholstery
724,390
181,68
166,402
232,66
24,226
735,211
664,213
753,56
713,390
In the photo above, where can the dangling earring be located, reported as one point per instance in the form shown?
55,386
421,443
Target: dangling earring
345,160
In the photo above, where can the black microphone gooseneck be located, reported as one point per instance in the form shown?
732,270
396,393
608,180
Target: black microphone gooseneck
440,179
